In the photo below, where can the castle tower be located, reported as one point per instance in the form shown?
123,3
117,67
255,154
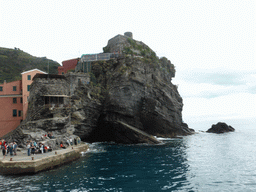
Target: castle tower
128,34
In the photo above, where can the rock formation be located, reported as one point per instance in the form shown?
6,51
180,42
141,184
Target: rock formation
129,99
220,128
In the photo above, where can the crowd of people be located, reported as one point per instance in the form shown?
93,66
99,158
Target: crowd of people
8,148
36,148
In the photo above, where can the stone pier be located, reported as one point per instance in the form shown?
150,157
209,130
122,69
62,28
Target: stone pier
23,164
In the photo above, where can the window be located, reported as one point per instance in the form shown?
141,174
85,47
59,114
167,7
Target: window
20,113
62,73
21,100
14,112
14,88
1,88
29,77
14,100
28,87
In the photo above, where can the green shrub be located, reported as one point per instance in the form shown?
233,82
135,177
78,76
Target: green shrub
127,50
143,53
132,42
106,49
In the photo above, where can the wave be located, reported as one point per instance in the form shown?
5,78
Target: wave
167,139
94,148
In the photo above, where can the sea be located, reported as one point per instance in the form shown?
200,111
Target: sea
202,162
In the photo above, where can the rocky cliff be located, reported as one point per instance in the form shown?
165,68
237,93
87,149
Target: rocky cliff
129,99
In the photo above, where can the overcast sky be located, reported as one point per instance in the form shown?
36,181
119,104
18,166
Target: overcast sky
211,43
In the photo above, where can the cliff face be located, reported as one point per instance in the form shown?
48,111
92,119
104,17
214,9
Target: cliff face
140,94
128,99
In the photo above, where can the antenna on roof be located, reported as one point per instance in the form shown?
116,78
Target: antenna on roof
48,69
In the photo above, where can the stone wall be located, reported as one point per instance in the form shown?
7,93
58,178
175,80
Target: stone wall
74,80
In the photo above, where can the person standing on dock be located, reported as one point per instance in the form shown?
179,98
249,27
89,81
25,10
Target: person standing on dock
78,140
28,148
4,148
15,146
10,148
41,148
33,149
3,142
68,142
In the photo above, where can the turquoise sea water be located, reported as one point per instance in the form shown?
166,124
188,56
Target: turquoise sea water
200,162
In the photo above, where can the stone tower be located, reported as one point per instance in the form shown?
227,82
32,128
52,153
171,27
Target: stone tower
128,34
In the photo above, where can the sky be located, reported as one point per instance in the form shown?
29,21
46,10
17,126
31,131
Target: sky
211,44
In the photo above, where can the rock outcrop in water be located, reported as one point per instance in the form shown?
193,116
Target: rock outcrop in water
129,99
220,128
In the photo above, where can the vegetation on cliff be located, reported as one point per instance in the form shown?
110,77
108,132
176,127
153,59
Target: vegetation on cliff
15,61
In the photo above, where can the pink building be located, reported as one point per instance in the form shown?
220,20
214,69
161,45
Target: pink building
13,101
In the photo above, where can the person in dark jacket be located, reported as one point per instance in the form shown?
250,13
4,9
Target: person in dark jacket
10,148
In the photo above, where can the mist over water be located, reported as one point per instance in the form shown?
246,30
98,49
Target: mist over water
200,162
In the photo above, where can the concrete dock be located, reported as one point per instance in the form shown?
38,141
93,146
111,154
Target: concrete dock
24,164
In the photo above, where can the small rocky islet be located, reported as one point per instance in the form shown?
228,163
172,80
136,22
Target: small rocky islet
220,127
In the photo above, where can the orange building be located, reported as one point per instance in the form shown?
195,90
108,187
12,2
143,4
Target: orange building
13,101
67,65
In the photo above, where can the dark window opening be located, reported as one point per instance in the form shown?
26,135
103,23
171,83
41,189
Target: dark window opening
1,88
54,100
14,112
29,77
14,100
28,87
20,113
21,100
14,88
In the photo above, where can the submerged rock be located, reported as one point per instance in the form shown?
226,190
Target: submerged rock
220,128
